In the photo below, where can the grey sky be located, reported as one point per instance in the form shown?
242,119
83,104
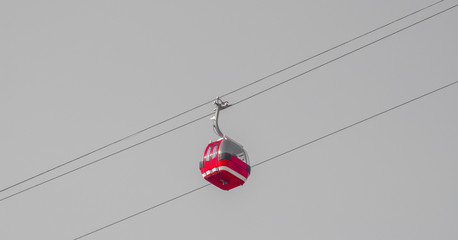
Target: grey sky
76,75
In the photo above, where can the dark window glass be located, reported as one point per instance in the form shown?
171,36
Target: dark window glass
234,149
207,156
215,147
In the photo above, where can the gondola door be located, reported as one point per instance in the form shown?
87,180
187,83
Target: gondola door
214,158
206,166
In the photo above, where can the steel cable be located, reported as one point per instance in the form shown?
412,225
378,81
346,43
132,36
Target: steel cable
274,157
240,101
205,103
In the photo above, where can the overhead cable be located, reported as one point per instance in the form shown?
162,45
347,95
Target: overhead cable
272,158
343,55
245,99
105,157
205,103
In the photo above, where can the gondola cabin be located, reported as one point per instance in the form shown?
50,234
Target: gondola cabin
225,164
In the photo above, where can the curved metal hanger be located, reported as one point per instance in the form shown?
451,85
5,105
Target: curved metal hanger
220,105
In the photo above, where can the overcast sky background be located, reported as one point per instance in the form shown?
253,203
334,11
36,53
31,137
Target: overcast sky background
76,75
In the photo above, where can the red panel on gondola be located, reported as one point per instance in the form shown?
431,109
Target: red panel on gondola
214,158
206,161
223,170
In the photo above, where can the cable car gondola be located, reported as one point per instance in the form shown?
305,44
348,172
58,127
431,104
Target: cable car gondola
225,163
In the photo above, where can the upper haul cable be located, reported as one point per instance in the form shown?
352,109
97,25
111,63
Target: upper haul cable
205,103
249,97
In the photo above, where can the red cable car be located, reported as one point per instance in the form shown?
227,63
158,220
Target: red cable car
225,163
